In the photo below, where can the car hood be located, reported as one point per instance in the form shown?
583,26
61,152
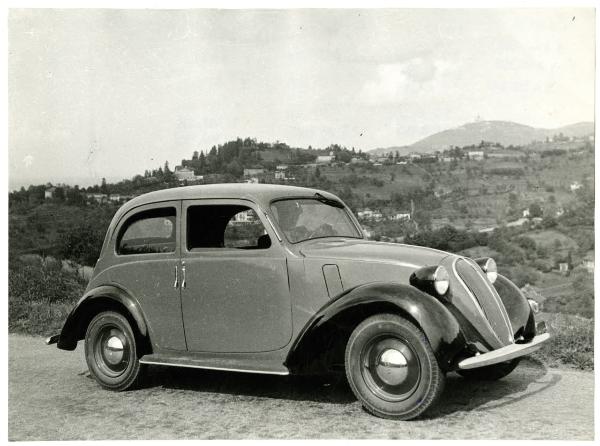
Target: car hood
365,250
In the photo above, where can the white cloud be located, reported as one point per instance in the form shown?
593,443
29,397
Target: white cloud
396,82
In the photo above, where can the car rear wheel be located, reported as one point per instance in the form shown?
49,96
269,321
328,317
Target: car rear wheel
111,351
391,368
491,372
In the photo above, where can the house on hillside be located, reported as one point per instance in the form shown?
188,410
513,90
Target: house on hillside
98,198
563,267
49,193
575,185
400,216
368,214
244,217
280,175
184,173
326,159
588,262
253,172
475,155
506,155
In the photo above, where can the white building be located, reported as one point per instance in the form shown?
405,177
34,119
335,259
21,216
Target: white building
575,185
244,217
400,216
476,155
49,193
184,173
253,172
325,159
280,175
368,214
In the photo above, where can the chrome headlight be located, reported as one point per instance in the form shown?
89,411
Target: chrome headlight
431,279
441,280
488,265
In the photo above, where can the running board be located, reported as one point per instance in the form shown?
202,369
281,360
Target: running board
212,364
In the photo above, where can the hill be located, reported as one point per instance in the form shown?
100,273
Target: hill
504,132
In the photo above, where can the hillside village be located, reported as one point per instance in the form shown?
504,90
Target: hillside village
530,207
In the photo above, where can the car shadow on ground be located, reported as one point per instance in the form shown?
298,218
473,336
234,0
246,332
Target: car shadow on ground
530,377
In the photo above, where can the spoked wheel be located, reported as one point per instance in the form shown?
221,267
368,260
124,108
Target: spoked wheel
111,351
391,368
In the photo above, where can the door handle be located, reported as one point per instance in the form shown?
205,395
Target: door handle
183,272
176,284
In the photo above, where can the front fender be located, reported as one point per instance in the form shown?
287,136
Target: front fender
95,300
346,311
520,314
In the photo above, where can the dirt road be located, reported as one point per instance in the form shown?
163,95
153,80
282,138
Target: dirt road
52,397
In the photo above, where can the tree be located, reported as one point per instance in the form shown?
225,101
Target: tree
103,186
535,210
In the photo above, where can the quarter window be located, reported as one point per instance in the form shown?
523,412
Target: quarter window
225,226
146,232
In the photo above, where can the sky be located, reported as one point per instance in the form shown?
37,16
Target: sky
109,93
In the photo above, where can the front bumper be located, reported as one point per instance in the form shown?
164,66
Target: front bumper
503,354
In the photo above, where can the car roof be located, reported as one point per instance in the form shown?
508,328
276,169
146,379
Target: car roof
263,194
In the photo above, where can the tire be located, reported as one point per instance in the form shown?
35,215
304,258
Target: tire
491,372
111,351
392,369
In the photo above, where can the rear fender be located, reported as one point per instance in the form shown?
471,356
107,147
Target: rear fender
342,314
102,298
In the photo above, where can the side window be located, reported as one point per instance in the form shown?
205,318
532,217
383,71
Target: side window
225,226
147,232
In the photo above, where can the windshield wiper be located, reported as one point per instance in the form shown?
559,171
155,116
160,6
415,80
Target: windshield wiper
329,201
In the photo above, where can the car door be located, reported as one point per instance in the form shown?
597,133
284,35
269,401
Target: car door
236,295
146,261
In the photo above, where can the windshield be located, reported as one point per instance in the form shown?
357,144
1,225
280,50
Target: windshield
307,218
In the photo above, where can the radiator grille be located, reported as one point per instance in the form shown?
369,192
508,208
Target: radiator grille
487,297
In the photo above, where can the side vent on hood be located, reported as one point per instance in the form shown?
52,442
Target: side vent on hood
333,281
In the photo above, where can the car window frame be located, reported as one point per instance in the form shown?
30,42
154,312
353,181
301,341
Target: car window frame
309,197
143,208
213,251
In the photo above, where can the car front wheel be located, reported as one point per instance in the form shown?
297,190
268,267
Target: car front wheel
391,368
111,351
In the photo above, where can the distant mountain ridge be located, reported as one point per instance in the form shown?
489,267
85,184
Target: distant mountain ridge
504,132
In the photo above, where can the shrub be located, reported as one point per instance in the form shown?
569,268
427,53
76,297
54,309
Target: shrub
40,295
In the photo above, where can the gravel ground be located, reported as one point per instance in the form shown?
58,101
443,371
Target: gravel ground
52,397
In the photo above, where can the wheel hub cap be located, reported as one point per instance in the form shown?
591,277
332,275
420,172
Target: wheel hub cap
113,350
392,367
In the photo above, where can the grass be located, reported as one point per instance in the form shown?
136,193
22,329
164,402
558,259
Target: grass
572,341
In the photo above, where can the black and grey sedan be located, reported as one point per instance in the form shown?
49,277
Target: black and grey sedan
281,280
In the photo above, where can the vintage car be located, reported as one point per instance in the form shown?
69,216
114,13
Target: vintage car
281,280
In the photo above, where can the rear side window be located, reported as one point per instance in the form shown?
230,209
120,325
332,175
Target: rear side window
225,226
148,232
